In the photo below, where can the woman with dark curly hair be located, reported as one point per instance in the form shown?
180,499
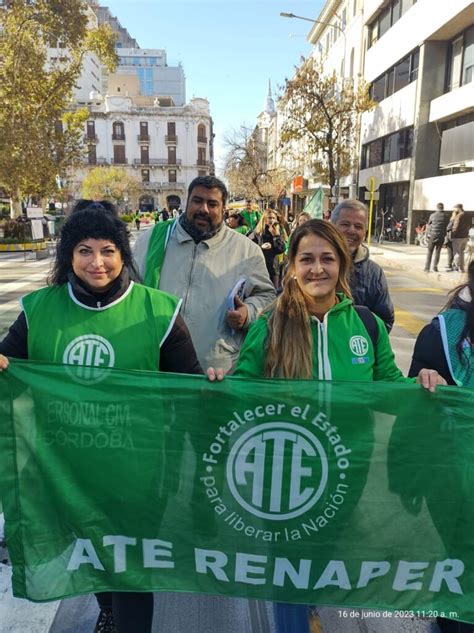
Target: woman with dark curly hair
92,292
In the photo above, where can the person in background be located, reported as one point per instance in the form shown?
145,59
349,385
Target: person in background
447,343
236,221
251,216
449,244
165,214
200,259
137,220
271,238
306,334
92,290
462,222
303,217
436,232
367,280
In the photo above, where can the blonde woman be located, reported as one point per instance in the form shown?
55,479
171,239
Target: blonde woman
270,235
306,333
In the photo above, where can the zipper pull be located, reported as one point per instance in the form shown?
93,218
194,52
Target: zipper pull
99,304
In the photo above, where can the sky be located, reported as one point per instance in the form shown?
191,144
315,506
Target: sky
229,49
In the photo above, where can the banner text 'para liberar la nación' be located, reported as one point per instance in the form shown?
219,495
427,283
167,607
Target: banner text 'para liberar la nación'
350,494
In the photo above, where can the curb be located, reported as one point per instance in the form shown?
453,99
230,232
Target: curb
450,280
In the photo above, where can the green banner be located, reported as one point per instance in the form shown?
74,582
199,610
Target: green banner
351,494
315,205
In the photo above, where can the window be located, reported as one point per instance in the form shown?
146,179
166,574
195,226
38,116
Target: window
171,155
387,149
404,72
118,131
384,21
119,155
172,175
145,175
143,131
201,156
201,134
455,63
144,155
91,130
351,67
92,155
468,62
461,60
387,18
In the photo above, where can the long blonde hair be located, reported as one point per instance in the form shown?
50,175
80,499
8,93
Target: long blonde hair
260,228
289,351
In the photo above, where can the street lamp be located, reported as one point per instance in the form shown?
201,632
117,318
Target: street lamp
336,26
341,30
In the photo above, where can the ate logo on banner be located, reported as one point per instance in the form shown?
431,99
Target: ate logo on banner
88,358
297,471
294,467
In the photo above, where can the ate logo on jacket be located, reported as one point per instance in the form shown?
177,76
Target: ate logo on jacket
359,347
91,355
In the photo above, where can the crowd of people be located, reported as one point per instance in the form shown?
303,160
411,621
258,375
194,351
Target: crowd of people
252,296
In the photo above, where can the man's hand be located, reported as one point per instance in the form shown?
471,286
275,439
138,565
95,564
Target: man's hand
215,374
429,378
237,318
3,362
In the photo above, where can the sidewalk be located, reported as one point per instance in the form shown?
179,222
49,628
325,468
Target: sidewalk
412,258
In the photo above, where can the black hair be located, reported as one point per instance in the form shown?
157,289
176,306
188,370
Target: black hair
94,204
209,182
94,221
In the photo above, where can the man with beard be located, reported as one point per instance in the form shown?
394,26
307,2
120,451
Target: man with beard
367,280
201,260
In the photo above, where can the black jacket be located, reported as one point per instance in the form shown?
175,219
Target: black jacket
429,350
369,286
437,224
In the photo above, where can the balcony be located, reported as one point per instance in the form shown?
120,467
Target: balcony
171,139
102,161
118,137
202,162
202,139
158,162
119,161
90,138
172,185
143,138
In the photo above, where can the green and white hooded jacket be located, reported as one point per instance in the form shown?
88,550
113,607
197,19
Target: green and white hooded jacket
342,348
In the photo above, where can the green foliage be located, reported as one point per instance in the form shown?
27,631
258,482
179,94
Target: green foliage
109,183
40,137
126,218
322,118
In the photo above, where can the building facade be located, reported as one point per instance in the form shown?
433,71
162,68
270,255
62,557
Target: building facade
165,147
418,142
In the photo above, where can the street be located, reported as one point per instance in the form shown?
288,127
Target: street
417,300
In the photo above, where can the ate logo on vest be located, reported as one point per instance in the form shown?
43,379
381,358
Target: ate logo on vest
277,470
91,355
359,345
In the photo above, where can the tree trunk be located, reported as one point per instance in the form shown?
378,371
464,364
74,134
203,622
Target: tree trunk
15,205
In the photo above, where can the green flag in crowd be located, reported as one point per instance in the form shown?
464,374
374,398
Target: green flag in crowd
350,494
315,205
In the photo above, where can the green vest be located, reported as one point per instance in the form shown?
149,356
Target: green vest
156,252
451,325
126,334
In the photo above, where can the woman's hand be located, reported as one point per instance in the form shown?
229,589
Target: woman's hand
3,362
429,378
215,374
274,229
